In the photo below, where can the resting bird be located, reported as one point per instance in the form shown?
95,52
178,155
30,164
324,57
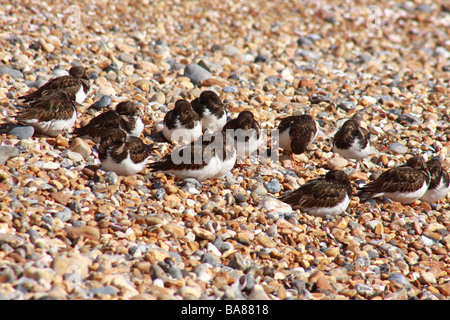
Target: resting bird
206,158
352,140
439,183
246,133
296,133
405,183
212,111
324,196
52,114
76,85
122,154
127,116
182,123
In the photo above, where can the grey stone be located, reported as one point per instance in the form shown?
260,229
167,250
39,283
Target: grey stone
64,215
262,58
196,73
209,206
104,102
156,272
75,206
22,132
307,54
304,42
210,258
347,105
34,235
240,197
408,119
399,278
424,8
398,147
193,181
230,89
35,84
127,58
16,74
7,152
111,177
108,290
273,186
364,289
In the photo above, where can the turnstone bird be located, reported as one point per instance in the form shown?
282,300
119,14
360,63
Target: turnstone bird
439,183
296,133
211,109
405,183
246,132
126,116
324,196
76,85
182,123
122,154
211,156
52,114
352,140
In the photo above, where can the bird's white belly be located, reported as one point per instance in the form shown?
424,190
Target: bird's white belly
406,197
183,135
322,211
285,140
53,127
436,194
125,168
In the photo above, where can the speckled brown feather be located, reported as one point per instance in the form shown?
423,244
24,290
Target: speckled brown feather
98,125
209,100
204,151
322,192
69,84
56,106
302,133
119,145
184,113
114,138
405,178
437,173
348,133
129,112
245,121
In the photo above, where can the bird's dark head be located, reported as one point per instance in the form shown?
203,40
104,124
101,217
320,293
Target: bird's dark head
113,137
209,96
337,175
434,164
417,162
128,108
78,72
184,109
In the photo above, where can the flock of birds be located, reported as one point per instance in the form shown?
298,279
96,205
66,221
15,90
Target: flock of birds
209,145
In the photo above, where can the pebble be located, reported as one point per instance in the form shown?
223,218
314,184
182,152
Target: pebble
7,152
337,163
398,148
80,146
16,74
196,73
273,186
104,102
22,132
347,105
